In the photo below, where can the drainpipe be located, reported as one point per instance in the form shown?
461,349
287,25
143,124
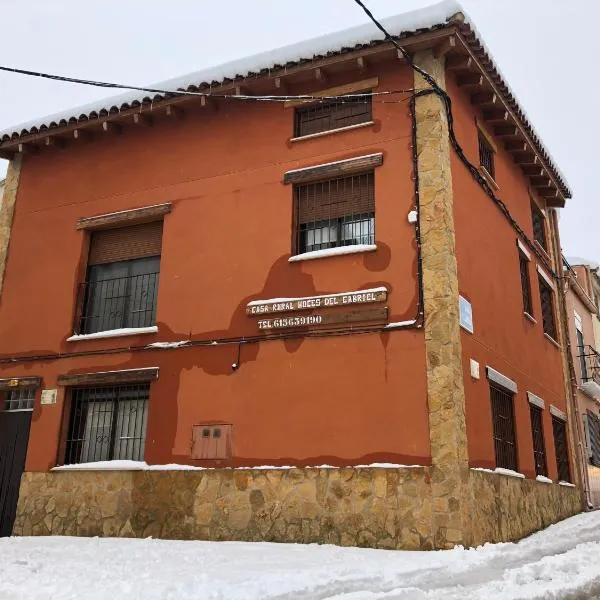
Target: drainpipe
573,414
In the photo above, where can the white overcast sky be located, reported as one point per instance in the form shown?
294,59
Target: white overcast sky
547,50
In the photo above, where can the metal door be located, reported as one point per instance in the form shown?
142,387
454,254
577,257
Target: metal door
14,435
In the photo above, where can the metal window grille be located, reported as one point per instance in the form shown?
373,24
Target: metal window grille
539,226
559,428
333,213
525,284
486,156
19,399
591,358
547,301
129,300
503,422
593,435
107,423
582,357
333,114
539,448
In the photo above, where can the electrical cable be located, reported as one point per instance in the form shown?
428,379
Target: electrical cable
454,141
176,93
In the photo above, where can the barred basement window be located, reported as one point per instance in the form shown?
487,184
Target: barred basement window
333,114
503,422
539,225
559,428
19,399
122,278
539,448
333,213
107,423
486,156
547,301
525,283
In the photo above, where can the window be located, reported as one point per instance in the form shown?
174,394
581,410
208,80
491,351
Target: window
334,114
333,213
525,283
592,423
503,422
486,156
559,428
107,423
211,442
122,278
539,226
581,354
537,432
547,301
22,398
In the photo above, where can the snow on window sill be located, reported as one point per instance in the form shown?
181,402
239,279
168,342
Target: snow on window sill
543,479
400,324
133,465
500,471
566,484
301,138
530,317
542,250
355,249
98,335
488,178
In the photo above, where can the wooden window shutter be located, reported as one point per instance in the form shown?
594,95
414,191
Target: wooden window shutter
335,198
126,243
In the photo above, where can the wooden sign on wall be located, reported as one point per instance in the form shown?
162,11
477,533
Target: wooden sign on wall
282,305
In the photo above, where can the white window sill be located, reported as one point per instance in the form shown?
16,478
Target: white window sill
488,178
332,131
356,249
552,340
113,333
566,484
543,479
528,316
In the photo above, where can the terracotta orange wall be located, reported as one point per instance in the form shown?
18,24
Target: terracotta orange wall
489,277
227,241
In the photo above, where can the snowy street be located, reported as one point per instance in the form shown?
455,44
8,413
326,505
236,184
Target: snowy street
560,562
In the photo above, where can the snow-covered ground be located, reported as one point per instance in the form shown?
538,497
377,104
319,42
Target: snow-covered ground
560,562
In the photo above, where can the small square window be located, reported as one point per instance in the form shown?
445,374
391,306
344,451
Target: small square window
216,433
205,433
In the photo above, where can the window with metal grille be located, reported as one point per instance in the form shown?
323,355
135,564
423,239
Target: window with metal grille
547,301
539,225
19,399
122,278
593,437
581,354
537,432
486,156
333,213
332,114
503,422
559,428
107,423
525,283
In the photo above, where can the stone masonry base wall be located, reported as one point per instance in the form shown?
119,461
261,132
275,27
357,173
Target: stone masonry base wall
369,507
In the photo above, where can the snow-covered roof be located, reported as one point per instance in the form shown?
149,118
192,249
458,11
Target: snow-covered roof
576,261
402,26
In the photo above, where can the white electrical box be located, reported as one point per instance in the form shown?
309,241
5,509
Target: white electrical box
474,369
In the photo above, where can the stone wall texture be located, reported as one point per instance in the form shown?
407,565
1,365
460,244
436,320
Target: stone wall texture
506,509
7,210
371,507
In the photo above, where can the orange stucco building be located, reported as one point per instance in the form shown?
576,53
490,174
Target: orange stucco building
139,237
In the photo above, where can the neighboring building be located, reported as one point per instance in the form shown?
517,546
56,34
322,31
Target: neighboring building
219,282
582,313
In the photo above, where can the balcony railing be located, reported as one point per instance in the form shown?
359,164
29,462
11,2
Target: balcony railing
117,303
589,359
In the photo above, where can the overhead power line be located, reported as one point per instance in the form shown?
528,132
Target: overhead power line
443,95
179,92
